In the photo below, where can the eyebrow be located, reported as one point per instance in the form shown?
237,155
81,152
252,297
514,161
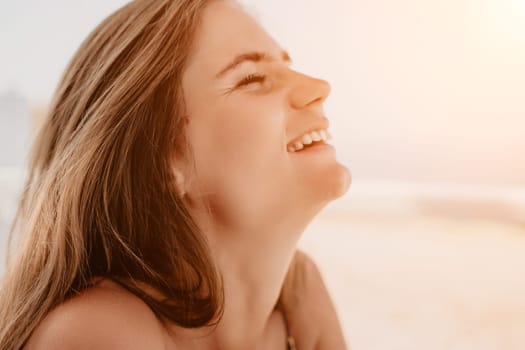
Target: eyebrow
253,57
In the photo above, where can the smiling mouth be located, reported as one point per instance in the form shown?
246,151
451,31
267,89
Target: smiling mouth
308,140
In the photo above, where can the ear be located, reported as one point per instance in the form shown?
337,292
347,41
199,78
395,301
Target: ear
180,183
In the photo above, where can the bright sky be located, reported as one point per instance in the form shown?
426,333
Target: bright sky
422,90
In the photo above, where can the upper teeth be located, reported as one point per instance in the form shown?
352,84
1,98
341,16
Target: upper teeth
308,138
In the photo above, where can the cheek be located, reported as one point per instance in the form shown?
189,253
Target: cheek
241,161
246,138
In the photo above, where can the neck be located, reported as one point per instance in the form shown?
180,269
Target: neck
253,261
252,284
253,271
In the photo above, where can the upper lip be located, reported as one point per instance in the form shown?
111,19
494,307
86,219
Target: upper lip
319,124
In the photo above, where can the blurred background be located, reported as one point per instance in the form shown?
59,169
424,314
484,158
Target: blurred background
427,249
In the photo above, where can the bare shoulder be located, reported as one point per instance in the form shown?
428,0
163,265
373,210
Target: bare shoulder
105,316
303,273
305,297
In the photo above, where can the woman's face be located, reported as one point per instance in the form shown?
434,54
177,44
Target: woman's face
245,105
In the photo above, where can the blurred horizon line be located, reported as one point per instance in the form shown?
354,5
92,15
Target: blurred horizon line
502,203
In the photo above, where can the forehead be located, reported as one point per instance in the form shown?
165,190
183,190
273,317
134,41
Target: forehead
227,30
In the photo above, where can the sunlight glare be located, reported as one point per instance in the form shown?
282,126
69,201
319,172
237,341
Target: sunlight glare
506,18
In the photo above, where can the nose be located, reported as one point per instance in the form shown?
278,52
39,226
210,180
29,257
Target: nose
308,90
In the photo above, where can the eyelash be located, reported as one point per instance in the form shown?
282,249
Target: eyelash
251,78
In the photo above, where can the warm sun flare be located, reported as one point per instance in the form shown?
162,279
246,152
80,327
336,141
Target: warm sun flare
507,18
520,5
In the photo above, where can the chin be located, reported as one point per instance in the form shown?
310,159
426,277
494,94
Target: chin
338,183
330,184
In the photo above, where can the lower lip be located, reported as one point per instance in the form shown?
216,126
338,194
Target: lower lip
315,148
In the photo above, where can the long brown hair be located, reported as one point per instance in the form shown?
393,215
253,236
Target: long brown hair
100,198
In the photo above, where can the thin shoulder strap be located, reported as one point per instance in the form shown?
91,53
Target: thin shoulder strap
290,340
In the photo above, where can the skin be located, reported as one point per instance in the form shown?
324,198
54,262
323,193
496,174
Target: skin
261,198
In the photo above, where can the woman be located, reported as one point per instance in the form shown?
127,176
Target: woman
168,188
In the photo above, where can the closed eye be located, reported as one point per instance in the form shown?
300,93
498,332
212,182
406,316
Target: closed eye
251,78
